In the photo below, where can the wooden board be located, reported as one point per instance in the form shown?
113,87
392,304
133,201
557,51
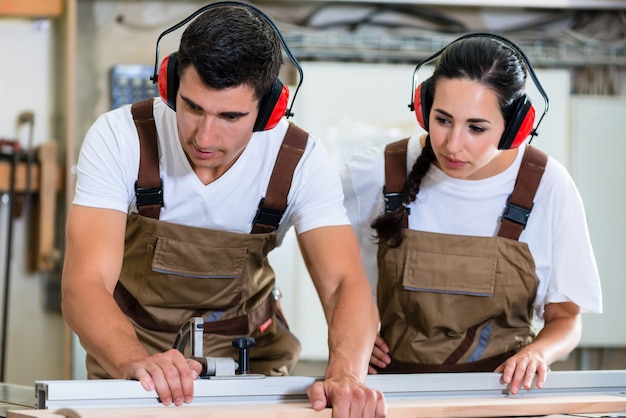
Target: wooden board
21,175
520,405
34,8
47,255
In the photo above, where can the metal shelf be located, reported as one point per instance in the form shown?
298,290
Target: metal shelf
378,47
537,4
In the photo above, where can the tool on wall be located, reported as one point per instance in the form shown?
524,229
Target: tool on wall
30,180
192,332
28,118
9,150
38,180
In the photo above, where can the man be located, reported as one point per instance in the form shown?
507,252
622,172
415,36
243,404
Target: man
142,258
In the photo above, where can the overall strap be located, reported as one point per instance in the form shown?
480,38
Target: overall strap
520,202
149,186
272,206
395,177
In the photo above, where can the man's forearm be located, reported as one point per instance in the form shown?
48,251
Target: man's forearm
351,333
103,330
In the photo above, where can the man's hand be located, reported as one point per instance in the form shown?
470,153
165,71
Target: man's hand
349,399
380,355
170,374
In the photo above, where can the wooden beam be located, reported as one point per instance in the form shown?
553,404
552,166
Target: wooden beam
21,175
67,95
47,254
31,8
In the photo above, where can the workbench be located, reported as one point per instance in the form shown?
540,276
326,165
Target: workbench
13,397
581,393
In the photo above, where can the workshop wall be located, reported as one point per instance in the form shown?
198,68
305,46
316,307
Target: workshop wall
35,333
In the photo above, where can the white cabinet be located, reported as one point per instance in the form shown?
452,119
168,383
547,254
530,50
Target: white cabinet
598,126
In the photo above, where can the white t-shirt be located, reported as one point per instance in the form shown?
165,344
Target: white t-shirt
109,161
556,232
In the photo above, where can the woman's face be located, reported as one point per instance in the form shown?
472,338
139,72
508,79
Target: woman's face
465,127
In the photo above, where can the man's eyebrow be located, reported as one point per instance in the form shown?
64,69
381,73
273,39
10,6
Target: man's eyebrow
191,102
227,113
235,114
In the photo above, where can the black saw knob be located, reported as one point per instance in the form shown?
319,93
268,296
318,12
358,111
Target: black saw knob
243,344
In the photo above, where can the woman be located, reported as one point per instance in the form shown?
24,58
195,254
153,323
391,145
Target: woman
464,265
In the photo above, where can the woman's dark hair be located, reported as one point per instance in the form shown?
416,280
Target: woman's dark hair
230,46
486,60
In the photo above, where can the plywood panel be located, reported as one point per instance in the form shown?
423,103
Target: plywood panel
441,407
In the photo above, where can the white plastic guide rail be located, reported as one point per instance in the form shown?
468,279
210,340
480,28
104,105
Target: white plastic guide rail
258,389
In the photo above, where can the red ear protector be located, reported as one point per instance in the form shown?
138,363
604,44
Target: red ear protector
272,106
518,126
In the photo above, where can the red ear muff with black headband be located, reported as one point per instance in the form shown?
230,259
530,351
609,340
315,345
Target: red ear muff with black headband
423,103
272,106
167,80
518,126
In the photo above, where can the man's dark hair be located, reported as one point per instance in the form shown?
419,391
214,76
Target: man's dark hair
230,46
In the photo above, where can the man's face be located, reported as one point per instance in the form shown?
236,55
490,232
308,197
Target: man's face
214,126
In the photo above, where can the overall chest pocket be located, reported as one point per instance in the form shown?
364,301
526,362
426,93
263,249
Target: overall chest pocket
449,292
184,274
450,273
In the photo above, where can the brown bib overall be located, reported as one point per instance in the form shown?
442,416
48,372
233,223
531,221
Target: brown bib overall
173,272
451,303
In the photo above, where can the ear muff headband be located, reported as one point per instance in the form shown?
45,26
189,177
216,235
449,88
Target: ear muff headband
520,123
272,106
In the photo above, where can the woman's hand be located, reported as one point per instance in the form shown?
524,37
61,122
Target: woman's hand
520,370
558,337
380,355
